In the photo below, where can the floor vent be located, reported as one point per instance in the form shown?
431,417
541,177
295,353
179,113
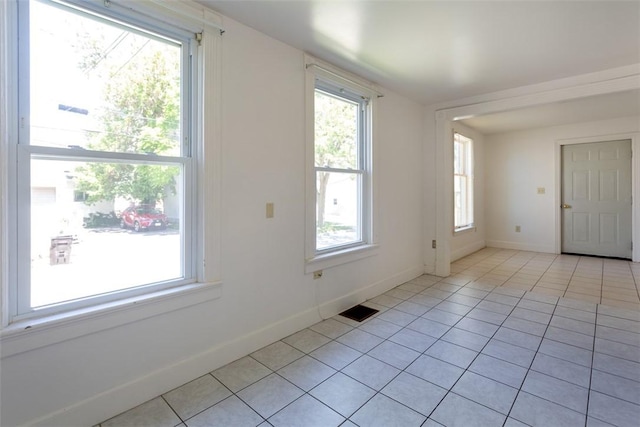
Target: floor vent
359,313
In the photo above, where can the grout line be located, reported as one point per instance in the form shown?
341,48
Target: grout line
593,355
472,361
531,364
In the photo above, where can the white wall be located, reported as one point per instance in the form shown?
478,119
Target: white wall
265,294
516,164
466,242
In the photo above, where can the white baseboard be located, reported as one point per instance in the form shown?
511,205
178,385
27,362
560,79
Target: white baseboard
429,268
502,244
331,308
119,399
467,250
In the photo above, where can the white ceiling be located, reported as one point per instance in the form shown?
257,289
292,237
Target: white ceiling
601,107
438,51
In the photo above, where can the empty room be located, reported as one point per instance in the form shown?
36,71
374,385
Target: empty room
319,213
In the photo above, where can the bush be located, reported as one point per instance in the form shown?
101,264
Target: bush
99,219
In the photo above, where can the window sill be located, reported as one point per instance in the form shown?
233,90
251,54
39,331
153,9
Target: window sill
333,259
31,334
464,230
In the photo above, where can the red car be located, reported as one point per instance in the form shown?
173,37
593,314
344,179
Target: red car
143,218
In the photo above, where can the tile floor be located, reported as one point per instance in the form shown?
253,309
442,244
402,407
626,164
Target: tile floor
511,339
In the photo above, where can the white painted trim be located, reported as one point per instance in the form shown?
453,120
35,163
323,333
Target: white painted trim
635,187
444,194
549,86
189,15
464,230
335,306
31,334
635,182
467,250
121,398
518,246
60,327
210,158
315,261
429,268
335,258
8,130
332,73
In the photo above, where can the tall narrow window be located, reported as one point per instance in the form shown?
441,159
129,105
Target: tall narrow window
104,158
462,182
340,159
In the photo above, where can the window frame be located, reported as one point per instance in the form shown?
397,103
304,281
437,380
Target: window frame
467,175
336,82
200,98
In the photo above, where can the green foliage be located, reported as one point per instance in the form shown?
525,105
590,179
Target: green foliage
141,92
336,122
330,227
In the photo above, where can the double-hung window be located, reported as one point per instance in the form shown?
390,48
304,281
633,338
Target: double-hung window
104,207
340,157
341,200
462,182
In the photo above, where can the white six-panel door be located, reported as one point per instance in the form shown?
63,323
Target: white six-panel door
596,199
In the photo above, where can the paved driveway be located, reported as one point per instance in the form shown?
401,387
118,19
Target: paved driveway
105,260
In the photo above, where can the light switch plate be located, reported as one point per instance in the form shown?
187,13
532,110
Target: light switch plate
270,212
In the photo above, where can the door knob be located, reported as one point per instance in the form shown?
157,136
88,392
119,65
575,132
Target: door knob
566,206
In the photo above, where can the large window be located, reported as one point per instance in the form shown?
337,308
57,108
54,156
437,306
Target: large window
340,160
340,209
340,165
462,182
104,158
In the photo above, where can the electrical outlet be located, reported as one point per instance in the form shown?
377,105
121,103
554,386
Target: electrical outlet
317,274
269,210
541,190
517,228
433,244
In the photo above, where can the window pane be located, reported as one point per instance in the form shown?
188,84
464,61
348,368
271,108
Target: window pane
125,233
338,209
336,132
458,158
99,86
459,197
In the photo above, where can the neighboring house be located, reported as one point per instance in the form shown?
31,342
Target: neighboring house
58,209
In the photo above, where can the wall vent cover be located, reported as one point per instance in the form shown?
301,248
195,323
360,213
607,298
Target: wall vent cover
359,313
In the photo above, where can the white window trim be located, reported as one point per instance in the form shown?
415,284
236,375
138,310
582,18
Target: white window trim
471,185
318,260
29,334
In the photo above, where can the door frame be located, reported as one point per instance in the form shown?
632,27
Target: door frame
635,189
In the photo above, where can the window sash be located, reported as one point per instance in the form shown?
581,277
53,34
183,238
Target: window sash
463,182
362,160
20,289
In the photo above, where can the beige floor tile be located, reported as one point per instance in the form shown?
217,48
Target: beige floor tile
582,297
583,290
556,279
551,285
621,304
620,296
585,284
518,285
548,291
